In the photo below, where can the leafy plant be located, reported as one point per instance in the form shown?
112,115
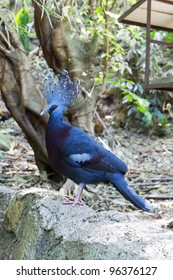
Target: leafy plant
120,56
141,104
22,20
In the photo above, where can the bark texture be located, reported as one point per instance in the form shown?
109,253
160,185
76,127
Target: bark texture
64,49
21,95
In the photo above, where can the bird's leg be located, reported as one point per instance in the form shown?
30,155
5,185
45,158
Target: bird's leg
76,200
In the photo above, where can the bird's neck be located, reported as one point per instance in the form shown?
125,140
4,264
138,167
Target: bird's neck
56,131
56,118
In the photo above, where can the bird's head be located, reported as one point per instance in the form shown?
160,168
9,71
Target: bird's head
59,91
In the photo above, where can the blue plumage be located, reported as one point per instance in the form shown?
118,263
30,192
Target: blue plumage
75,154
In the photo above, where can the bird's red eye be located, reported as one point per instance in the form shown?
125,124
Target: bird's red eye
53,107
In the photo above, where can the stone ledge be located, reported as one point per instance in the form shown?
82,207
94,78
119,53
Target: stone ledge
35,224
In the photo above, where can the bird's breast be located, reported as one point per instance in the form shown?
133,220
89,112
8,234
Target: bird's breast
56,136
55,139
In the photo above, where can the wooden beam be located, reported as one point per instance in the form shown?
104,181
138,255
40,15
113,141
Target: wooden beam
163,43
123,19
134,7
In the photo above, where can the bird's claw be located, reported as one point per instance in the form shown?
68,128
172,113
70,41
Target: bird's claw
73,200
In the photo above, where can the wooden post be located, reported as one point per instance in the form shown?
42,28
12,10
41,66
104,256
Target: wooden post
148,41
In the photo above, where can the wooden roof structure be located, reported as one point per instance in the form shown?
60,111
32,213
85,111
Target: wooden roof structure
152,14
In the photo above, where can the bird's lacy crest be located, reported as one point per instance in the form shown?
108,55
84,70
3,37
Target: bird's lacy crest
60,89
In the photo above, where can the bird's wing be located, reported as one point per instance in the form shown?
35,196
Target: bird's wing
83,151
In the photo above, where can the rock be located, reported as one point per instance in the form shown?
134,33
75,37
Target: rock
170,224
5,237
35,224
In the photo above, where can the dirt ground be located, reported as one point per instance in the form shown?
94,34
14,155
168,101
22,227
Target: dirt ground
150,161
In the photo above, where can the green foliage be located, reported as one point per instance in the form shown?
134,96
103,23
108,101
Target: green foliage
22,20
120,50
129,90
164,35
122,54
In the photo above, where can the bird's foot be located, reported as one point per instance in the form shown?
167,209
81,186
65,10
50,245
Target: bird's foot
73,200
76,200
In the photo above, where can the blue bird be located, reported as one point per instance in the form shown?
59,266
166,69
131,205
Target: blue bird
74,153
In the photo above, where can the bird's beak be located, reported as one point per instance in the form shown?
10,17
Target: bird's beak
43,112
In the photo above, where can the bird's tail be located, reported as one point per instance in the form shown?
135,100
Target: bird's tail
121,185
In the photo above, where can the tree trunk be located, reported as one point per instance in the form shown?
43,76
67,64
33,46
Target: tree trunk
63,49
21,95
